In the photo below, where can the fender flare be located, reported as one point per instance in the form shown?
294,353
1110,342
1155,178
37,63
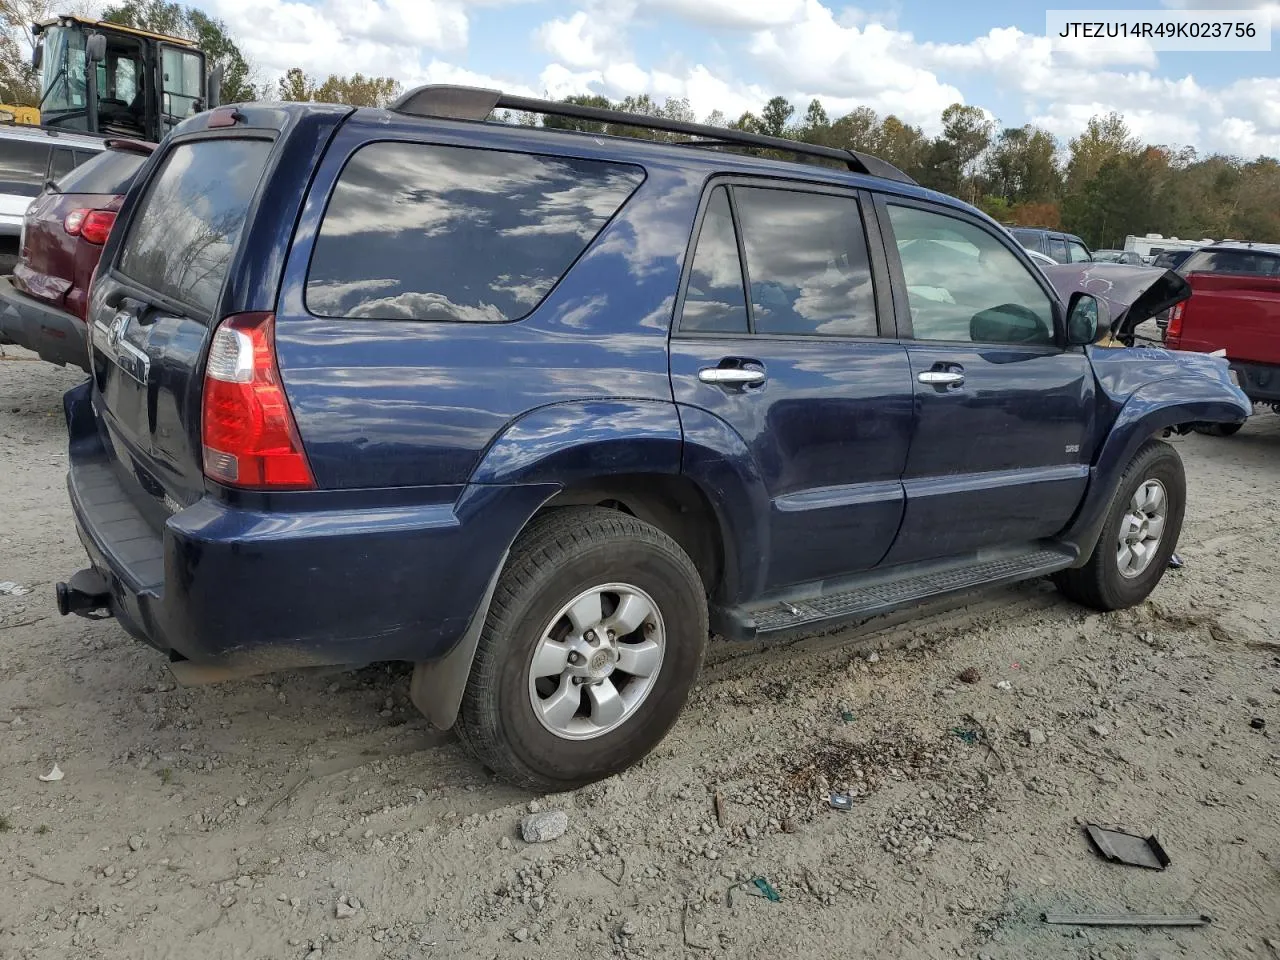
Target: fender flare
718,461
1148,410
549,447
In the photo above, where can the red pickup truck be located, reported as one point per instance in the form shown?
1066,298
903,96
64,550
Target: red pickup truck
1234,306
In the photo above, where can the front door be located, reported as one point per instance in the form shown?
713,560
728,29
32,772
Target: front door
998,456
798,371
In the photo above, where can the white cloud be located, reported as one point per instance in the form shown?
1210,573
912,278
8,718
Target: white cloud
732,13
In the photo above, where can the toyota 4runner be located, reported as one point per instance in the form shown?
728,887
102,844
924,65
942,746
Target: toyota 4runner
539,411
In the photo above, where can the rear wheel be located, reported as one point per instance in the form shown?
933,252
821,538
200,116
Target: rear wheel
592,643
1218,429
1140,534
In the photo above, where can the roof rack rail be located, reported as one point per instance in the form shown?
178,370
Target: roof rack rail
476,103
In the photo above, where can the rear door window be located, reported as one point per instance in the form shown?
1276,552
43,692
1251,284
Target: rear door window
1058,249
184,232
110,172
426,232
24,165
1246,263
807,263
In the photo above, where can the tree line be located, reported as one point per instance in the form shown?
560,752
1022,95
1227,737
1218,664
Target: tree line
1102,184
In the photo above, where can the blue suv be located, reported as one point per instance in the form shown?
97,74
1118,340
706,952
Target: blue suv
540,410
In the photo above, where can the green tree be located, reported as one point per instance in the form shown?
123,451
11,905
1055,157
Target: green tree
859,130
585,126
966,134
1021,166
775,116
816,127
356,90
209,34
1104,140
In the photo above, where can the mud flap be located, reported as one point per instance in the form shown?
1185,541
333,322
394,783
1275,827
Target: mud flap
437,686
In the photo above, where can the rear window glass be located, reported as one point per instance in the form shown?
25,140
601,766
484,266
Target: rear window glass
418,232
185,230
110,172
23,167
1240,262
1028,238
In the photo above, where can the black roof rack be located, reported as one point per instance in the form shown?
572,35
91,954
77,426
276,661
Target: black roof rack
476,103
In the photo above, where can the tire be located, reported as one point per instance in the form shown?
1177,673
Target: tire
1100,583
556,559
1218,429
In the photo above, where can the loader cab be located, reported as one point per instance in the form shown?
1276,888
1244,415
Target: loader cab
104,78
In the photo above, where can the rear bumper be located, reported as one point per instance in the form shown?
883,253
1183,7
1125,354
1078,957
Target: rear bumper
54,334
308,580
1261,381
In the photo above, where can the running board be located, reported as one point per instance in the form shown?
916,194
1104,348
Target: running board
883,591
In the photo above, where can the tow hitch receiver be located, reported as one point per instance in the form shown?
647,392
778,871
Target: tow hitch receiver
86,594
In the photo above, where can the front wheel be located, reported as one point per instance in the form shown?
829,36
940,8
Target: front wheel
1140,534
592,643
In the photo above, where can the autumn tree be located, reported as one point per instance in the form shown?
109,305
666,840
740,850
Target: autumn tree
356,90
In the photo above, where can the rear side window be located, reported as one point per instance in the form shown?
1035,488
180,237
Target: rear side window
185,230
1078,253
1247,263
1030,239
1058,249
23,167
715,300
423,232
63,162
109,172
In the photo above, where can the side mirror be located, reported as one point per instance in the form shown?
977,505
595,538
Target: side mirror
37,54
1087,319
95,48
213,93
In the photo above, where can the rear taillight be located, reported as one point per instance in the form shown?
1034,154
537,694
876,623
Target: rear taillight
97,226
250,439
92,225
1175,321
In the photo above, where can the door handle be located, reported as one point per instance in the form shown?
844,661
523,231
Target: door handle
941,378
730,376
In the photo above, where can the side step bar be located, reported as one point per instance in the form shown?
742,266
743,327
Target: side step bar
883,591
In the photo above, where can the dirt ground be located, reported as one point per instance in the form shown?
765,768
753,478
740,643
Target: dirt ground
304,816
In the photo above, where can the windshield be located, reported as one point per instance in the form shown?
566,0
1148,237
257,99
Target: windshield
63,84
118,79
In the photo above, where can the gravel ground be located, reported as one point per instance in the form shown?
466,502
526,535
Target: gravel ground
308,816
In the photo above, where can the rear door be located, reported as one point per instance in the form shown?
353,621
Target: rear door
999,454
153,312
1235,304
798,369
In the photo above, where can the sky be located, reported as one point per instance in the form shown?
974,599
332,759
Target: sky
911,59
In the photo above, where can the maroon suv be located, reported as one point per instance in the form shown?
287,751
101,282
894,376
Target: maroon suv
42,306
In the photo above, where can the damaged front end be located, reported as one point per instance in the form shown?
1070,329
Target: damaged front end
1132,294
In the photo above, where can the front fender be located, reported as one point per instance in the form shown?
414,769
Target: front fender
1148,411
584,440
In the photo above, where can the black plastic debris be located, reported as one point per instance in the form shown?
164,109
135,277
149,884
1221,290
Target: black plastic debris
1258,723
840,801
1175,562
1128,919
1118,846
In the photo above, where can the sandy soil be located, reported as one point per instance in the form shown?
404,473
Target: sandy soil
319,817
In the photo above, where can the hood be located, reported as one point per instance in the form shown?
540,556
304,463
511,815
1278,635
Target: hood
1132,294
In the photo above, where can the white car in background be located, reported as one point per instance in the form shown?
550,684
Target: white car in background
31,157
